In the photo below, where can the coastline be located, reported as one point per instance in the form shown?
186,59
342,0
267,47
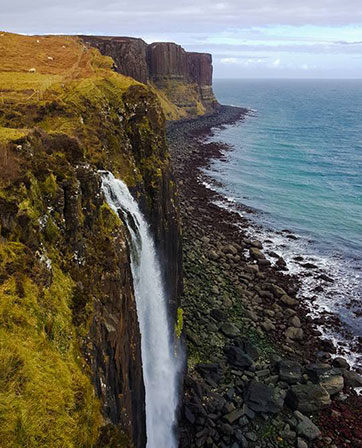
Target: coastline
230,286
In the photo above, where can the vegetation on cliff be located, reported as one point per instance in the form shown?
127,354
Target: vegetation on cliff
67,311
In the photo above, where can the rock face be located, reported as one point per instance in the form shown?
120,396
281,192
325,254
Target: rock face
162,63
128,53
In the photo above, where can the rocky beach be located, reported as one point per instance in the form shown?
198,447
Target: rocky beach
259,373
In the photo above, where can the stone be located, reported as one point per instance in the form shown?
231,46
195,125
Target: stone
308,398
277,291
290,371
352,379
256,244
213,255
295,322
341,363
296,334
268,325
230,330
307,429
256,253
262,398
238,358
287,300
330,378
233,416
301,443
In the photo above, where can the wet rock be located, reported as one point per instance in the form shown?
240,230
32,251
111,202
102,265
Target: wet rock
352,379
288,301
256,244
256,253
341,363
330,378
290,371
308,398
262,398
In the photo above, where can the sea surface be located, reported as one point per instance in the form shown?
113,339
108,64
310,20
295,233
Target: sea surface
296,160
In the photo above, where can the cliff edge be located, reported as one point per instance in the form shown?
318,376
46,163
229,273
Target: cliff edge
71,370
182,80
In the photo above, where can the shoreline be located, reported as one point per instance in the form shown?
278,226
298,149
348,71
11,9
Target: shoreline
250,288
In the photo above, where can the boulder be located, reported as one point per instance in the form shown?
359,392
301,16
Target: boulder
256,253
341,363
238,358
296,334
352,379
306,428
308,398
262,398
218,315
230,330
286,300
233,416
290,371
330,378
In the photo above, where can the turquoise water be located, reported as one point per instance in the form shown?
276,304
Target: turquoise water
297,160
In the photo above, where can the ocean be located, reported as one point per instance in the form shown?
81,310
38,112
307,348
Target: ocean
296,161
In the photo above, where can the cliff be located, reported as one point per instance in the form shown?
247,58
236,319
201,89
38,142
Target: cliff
71,372
181,80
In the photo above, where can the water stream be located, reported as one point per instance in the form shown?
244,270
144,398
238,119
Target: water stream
160,365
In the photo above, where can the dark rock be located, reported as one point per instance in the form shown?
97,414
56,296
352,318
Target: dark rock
218,315
306,428
330,378
189,415
290,371
238,358
233,416
341,363
352,379
307,398
262,398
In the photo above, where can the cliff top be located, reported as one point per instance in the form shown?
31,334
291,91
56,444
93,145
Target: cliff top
38,70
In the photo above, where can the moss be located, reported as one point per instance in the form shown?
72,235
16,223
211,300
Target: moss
50,186
179,322
46,399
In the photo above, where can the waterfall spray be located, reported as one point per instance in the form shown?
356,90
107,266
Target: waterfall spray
160,366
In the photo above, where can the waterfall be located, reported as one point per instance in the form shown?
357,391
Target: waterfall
160,366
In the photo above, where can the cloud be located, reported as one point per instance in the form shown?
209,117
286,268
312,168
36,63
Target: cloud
242,35
144,16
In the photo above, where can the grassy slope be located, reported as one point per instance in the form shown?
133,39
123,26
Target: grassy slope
50,87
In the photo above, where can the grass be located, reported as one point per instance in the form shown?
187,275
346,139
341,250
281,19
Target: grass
46,399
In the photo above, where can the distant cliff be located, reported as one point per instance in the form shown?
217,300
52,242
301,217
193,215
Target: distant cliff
182,80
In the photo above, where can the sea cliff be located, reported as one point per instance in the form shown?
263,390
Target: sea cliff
70,341
182,80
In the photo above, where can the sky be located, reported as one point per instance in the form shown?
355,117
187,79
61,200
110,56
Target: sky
247,38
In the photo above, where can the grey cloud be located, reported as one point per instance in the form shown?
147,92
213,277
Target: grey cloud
139,17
